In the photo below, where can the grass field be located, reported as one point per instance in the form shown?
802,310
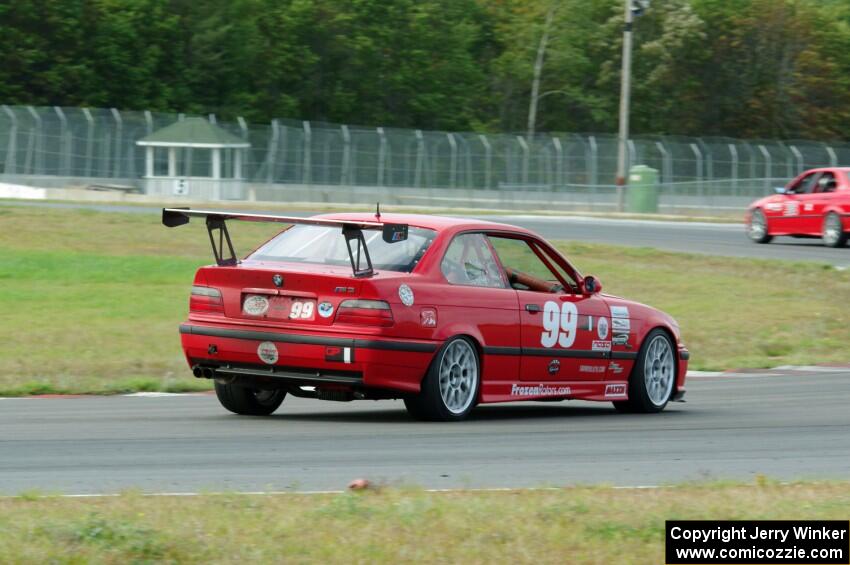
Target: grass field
573,525
91,301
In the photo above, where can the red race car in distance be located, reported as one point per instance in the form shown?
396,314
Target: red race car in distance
444,313
815,204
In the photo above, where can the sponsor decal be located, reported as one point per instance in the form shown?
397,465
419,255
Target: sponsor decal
344,290
405,293
621,324
615,391
341,354
615,368
255,305
601,345
326,309
621,339
619,311
792,208
539,390
591,369
554,367
808,207
602,328
267,352
774,207
559,324
278,280
428,317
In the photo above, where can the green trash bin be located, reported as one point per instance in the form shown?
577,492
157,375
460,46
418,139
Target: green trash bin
642,190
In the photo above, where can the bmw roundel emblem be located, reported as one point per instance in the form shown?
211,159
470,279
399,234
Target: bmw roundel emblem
278,280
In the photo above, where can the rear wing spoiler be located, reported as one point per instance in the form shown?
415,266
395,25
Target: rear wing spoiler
352,231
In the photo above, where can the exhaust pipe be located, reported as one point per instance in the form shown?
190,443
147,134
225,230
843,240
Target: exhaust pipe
197,371
209,373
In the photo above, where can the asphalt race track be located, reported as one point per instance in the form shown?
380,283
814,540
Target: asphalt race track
689,237
785,427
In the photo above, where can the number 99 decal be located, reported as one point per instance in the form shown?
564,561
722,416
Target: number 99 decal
559,324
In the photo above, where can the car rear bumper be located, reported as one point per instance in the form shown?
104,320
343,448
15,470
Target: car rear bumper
308,358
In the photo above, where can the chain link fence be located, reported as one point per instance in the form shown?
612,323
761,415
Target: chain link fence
294,160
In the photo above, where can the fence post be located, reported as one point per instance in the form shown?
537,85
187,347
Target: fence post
488,161
38,144
631,155
11,158
768,168
212,119
148,122
119,135
243,126
799,157
593,161
271,152
559,161
452,160
525,161
789,165
666,166
306,174
345,173
833,158
382,155
420,158
65,155
89,141
733,153
699,172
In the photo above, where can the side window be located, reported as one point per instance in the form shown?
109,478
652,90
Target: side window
805,185
525,269
827,183
469,261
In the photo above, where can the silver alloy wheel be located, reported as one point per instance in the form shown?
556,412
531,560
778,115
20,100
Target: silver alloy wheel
758,226
658,370
832,230
458,376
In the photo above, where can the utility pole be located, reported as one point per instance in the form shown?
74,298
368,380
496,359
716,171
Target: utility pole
538,71
625,93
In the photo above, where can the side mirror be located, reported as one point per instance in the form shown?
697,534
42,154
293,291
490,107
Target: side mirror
591,285
780,190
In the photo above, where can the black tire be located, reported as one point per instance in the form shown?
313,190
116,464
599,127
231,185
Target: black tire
757,218
833,234
640,398
461,374
248,401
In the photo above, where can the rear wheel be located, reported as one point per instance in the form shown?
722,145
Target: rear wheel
757,230
653,376
833,232
450,389
248,401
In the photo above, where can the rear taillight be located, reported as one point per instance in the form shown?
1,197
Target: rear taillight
205,299
365,312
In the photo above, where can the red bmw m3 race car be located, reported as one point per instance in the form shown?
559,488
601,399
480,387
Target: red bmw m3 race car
444,313
815,204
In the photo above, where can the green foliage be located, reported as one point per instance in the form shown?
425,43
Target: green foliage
745,68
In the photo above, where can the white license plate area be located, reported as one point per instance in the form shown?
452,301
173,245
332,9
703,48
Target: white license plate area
279,307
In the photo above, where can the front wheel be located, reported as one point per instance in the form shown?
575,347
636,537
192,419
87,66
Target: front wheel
450,389
757,230
248,401
653,376
833,232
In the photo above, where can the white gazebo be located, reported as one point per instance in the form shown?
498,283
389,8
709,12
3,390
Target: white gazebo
196,159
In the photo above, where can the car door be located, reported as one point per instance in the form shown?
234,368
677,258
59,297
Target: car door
565,335
787,214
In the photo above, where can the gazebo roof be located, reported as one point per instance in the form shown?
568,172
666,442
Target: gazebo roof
193,132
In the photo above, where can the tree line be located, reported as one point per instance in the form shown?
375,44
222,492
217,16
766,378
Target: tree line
738,68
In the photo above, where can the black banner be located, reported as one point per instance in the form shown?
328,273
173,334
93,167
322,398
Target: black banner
694,542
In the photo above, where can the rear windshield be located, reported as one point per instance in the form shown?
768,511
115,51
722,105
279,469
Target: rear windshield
326,246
